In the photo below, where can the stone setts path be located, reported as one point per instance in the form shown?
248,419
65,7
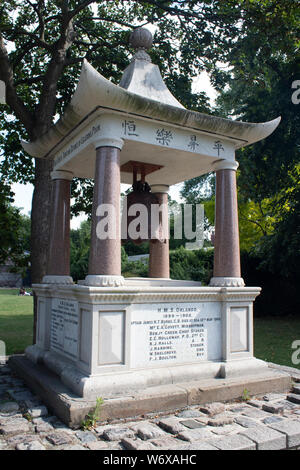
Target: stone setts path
271,422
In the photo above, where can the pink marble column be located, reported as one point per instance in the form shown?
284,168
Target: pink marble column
58,266
105,250
159,264
227,266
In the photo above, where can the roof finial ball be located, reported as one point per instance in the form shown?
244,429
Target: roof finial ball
141,38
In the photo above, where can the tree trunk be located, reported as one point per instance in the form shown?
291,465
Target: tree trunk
40,224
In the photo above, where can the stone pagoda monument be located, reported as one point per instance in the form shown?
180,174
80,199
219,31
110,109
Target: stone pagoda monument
141,344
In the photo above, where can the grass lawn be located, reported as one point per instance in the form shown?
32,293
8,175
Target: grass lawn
16,320
273,336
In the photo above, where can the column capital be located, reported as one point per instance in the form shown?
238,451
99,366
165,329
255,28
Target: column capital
160,188
61,175
225,165
109,142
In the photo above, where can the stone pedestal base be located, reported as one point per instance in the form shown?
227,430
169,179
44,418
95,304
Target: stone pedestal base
72,410
113,341
117,384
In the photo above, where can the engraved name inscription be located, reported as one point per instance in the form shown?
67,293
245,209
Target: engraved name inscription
64,327
175,334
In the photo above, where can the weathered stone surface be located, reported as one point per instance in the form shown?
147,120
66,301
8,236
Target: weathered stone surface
189,414
59,438
103,427
245,422
239,408
42,425
296,389
98,445
73,447
203,420
227,429
134,424
38,411
272,419
86,436
274,408
236,442
3,444
291,429
137,444
20,438
9,407
3,390
57,424
213,409
34,445
294,398
193,435
17,385
192,423
21,395
149,431
265,438
10,418
289,405
168,443
200,446
220,420
20,426
273,396
255,413
255,403
116,434
171,425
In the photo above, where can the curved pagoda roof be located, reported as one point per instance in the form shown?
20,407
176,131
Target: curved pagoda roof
141,93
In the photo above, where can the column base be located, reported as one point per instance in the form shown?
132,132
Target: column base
103,280
51,279
227,282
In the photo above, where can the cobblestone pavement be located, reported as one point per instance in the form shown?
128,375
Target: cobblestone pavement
261,423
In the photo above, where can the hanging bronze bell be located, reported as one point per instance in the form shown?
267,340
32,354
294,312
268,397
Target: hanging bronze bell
140,227
139,222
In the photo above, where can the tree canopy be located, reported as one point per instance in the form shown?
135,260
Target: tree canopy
14,232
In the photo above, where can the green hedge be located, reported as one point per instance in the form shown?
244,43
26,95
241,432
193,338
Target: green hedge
279,295
196,265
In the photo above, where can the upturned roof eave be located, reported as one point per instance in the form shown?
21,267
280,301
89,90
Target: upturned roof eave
94,91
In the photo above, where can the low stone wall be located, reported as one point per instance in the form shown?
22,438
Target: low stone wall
9,279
